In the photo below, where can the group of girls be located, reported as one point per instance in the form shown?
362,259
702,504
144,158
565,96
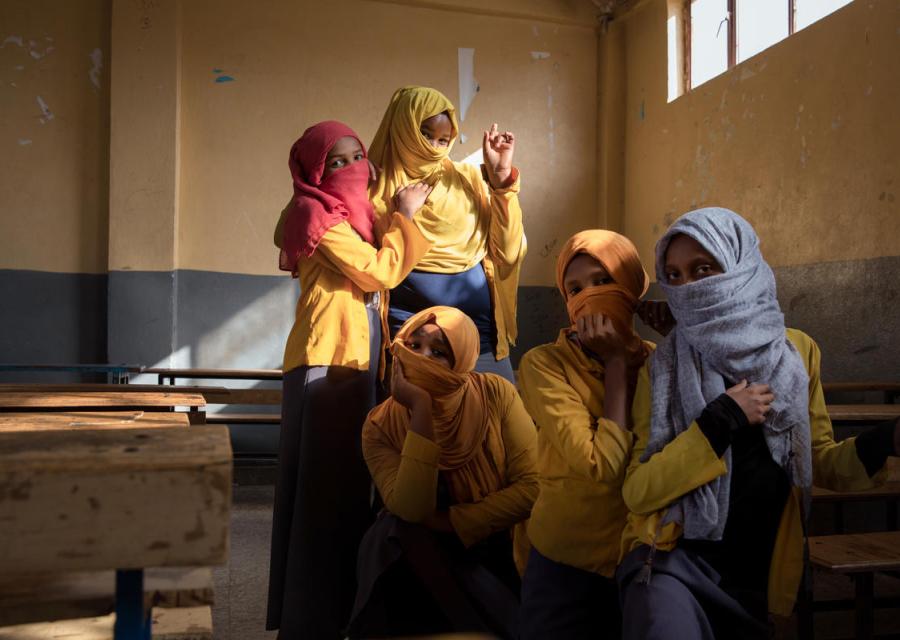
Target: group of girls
629,491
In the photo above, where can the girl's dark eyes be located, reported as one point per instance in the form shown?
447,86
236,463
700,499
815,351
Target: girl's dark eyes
574,290
672,275
336,163
358,157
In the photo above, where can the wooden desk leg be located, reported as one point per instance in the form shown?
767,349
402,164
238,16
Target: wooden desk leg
865,617
805,609
132,619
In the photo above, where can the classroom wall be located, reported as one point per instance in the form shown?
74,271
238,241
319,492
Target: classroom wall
802,140
244,86
54,136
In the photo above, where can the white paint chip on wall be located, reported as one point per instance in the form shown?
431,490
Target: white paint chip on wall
96,57
13,40
540,55
24,142
48,115
468,85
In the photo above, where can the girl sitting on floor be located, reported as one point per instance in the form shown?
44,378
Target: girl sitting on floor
452,454
731,431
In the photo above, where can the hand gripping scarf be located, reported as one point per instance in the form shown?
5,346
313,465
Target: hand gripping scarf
320,204
404,156
729,328
618,300
472,457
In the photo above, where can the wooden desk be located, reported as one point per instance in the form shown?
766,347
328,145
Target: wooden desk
858,556
123,499
92,420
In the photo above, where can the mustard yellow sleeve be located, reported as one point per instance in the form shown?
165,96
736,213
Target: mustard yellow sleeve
684,464
371,269
507,235
407,479
512,504
596,453
836,465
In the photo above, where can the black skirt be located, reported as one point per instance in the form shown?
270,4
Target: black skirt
322,497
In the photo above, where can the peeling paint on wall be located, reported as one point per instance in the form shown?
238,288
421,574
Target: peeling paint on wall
468,85
13,40
45,110
540,55
96,57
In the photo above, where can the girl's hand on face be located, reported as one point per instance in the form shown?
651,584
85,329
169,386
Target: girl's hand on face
498,154
656,315
597,333
405,392
755,400
410,198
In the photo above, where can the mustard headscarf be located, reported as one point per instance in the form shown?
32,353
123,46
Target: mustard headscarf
617,300
455,217
472,457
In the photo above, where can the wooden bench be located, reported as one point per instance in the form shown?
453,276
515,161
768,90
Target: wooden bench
859,556
889,493
92,420
121,499
863,412
118,372
190,623
214,374
889,390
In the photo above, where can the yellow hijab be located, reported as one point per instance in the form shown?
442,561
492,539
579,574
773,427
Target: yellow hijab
467,431
617,300
456,216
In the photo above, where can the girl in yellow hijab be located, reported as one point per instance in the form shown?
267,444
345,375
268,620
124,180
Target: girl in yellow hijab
452,454
578,392
472,220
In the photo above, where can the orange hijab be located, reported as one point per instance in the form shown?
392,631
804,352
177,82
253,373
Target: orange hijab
618,300
466,429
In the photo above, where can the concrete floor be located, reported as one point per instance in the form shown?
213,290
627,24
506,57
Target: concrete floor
241,586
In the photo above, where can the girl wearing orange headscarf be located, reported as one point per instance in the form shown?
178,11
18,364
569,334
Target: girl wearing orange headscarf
452,453
472,219
578,392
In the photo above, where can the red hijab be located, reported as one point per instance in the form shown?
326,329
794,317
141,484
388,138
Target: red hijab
320,204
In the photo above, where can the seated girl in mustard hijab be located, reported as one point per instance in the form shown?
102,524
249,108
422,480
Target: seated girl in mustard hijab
578,390
452,454
473,221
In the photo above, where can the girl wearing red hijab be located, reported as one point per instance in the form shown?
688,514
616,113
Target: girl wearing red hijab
331,366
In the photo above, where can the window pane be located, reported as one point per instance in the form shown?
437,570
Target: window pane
760,24
808,11
709,39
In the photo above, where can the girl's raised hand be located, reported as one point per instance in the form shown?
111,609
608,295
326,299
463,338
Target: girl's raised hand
597,333
409,198
405,392
498,155
755,400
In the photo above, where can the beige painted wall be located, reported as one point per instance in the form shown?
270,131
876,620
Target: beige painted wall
297,62
802,139
54,134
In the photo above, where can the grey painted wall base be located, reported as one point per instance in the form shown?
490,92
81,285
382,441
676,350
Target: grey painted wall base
51,318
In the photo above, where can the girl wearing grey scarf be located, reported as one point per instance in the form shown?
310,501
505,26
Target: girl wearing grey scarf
729,328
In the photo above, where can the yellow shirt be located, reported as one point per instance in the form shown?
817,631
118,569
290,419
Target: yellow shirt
407,479
579,514
331,327
689,461
497,242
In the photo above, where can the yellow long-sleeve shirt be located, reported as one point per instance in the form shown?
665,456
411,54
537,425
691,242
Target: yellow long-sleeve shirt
407,479
689,461
331,327
579,514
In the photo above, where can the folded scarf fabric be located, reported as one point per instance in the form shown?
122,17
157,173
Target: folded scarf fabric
319,203
472,457
729,328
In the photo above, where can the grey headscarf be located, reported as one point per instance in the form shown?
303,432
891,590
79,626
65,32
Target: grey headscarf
729,328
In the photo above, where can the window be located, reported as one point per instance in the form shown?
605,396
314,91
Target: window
708,37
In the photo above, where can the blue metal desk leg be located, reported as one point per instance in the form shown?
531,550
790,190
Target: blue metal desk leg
132,620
